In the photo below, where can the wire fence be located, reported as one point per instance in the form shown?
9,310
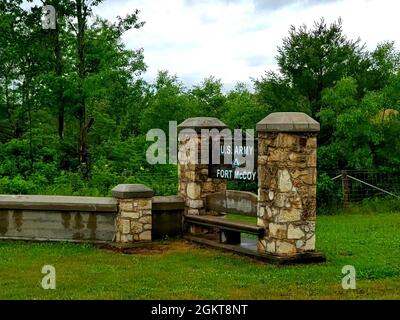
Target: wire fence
336,188
343,187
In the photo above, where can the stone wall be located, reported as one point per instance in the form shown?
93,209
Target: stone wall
287,186
132,215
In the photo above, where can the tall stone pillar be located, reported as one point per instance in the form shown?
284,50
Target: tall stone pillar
194,183
134,219
287,159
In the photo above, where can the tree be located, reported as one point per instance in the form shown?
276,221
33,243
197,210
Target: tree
276,94
113,85
168,100
311,60
51,78
384,63
209,97
242,110
83,9
55,37
359,136
11,30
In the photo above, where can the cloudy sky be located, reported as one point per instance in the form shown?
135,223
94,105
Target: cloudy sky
236,40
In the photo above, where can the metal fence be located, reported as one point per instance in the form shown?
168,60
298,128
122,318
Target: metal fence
354,186
335,188
340,188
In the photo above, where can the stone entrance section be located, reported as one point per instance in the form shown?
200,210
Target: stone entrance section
287,159
194,183
134,219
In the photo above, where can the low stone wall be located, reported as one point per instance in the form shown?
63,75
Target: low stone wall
89,219
57,218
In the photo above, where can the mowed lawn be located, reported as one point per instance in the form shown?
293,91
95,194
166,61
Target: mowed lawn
179,270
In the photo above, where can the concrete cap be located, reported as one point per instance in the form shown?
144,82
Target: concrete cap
168,203
58,203
288,122
202,123
131,191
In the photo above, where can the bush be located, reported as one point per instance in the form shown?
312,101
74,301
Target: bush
328,193
17,185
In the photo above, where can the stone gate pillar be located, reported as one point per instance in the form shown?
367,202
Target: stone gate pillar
287,159
194,183
134,219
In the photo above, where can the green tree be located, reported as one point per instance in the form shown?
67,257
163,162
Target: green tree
168,100
242,110
360,135
311,60
384,64
277,94
208,97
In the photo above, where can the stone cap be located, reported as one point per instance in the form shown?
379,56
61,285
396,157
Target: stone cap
288,122
202,123
131,191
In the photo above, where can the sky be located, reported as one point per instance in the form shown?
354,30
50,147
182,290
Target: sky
236,40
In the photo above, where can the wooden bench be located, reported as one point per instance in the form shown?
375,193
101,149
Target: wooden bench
229,231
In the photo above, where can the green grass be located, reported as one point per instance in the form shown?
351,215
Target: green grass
369,242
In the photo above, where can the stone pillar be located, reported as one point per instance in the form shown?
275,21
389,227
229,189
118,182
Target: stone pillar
194,183
287,173
134,219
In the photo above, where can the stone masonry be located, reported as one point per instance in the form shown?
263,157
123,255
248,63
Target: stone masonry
134,219
287,161
194,183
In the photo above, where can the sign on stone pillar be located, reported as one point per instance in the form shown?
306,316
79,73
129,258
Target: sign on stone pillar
194,182
287,178
242,166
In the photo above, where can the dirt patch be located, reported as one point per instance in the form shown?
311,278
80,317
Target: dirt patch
152,248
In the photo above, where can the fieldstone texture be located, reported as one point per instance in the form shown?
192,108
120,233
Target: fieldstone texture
287,185
194,183
134,219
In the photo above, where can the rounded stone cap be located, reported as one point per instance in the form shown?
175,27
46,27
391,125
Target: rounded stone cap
131,191
202,123
288,122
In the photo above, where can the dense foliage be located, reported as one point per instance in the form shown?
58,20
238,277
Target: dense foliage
74,108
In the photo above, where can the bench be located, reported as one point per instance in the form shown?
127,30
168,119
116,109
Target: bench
229,231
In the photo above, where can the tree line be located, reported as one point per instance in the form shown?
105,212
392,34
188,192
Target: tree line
74,108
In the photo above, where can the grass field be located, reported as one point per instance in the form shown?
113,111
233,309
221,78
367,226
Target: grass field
179,270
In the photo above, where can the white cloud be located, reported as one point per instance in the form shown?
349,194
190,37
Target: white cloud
237,39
